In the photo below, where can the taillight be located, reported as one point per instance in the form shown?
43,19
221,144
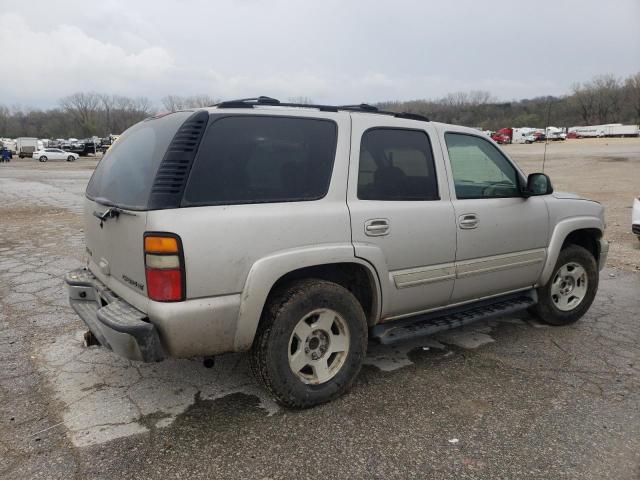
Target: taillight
164,267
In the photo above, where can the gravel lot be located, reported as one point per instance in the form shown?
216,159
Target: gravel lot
603,169
502,399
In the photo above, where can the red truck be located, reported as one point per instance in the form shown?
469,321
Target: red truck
502,136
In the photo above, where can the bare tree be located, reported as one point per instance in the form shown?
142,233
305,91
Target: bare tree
83,107
607,97
584,98
468,99
632,86
173,103
200,100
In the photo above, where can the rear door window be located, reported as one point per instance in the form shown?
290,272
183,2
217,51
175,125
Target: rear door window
258,159
396,164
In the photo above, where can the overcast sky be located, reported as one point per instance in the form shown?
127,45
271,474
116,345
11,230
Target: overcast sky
328,50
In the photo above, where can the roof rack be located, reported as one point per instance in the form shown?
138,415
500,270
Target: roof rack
363,107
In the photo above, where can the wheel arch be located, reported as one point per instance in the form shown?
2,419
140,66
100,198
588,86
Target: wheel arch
337,264
583,231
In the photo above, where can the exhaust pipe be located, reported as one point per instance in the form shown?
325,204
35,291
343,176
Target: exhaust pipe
208,362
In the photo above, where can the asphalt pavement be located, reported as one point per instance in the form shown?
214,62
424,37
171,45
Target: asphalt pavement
509,398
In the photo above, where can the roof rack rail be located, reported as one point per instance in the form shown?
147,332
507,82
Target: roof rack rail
362,108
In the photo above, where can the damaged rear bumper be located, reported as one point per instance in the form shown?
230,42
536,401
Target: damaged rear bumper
116,324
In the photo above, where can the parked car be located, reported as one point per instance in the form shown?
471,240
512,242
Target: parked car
635,217
300,232
54,154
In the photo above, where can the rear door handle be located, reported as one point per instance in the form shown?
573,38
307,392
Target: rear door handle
468,221
376,227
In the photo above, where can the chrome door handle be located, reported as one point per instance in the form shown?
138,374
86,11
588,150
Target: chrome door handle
376,227
468,221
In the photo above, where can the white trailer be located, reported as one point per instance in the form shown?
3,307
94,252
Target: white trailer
25,146
620,130
588,131
607,130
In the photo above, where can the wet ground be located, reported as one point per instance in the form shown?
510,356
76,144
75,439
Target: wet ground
503,399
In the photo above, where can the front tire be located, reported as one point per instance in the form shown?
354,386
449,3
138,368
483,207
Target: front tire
71,158
571,289
310,344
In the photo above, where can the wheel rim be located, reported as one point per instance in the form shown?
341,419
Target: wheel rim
569,286
319,346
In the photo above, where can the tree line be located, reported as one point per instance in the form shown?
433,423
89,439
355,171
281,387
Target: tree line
604,99
86,114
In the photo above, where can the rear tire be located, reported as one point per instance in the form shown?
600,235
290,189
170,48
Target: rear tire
43,159
310,343
571,289
71,158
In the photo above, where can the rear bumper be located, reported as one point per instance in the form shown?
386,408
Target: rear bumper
116,324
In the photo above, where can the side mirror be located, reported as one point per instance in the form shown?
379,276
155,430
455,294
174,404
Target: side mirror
538,184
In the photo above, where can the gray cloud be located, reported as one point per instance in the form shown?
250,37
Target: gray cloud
330,50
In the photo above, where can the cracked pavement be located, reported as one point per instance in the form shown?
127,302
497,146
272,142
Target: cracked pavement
523,400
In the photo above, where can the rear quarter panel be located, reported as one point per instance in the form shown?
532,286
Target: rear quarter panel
222,243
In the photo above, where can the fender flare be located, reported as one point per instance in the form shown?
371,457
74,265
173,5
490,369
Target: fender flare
561,231
268,270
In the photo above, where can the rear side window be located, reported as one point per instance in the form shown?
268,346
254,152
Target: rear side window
126,173
258,159
396,164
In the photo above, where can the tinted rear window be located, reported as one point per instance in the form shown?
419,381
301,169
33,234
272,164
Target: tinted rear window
396,164
257,159
125,174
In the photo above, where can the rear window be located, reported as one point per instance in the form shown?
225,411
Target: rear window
125,174
258,159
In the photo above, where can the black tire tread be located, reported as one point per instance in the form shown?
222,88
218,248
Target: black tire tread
258,353
544,309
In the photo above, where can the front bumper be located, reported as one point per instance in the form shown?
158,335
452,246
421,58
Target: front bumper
115,323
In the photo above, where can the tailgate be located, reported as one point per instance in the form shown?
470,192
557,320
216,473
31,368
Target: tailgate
116,251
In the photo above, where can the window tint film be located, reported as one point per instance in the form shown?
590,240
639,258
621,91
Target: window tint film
396,164
479,169
257,159
125,174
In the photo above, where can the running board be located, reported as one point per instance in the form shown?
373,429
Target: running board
427,324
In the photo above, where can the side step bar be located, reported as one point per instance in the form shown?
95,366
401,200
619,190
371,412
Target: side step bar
434,322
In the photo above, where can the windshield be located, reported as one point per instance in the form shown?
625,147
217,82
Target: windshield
125,174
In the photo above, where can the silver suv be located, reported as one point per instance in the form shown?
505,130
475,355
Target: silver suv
299,232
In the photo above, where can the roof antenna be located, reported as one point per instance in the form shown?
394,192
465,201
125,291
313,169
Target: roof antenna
546,139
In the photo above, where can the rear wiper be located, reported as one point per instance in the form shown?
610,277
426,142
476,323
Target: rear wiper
112,212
